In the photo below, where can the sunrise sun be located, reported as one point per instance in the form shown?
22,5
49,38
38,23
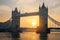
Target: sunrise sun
34,23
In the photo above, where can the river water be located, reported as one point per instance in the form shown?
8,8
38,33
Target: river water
35,36
30,36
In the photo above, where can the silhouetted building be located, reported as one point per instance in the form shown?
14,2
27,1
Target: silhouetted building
14,24
43,24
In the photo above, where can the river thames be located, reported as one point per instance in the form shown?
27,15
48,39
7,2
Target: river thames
30,36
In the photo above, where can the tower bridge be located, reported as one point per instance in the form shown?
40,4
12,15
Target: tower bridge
43,21
13,26
43,18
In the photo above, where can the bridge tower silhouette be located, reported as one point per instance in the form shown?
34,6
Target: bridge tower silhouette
43,22
15,18
43,18
15,24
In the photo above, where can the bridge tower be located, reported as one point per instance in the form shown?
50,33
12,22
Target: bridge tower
15,18
15,24
43,19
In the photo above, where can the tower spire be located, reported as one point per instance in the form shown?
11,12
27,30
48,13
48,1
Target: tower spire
16,9
43,5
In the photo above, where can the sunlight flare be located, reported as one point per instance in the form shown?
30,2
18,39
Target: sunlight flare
34,23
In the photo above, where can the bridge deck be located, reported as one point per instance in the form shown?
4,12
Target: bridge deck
53,28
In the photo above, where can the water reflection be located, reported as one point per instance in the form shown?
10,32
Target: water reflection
35,36
43,36
29,36
15,36
54,36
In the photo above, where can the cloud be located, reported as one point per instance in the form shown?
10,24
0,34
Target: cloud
52,3
28,5
5,13
25,5
10,3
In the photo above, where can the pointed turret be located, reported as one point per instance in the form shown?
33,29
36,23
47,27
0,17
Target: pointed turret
16,10
43,9
43,6
15,18
43,16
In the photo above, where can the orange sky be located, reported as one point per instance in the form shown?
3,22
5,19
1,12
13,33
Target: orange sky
27,21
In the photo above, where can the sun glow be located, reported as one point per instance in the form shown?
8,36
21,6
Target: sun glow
34,23
29,22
